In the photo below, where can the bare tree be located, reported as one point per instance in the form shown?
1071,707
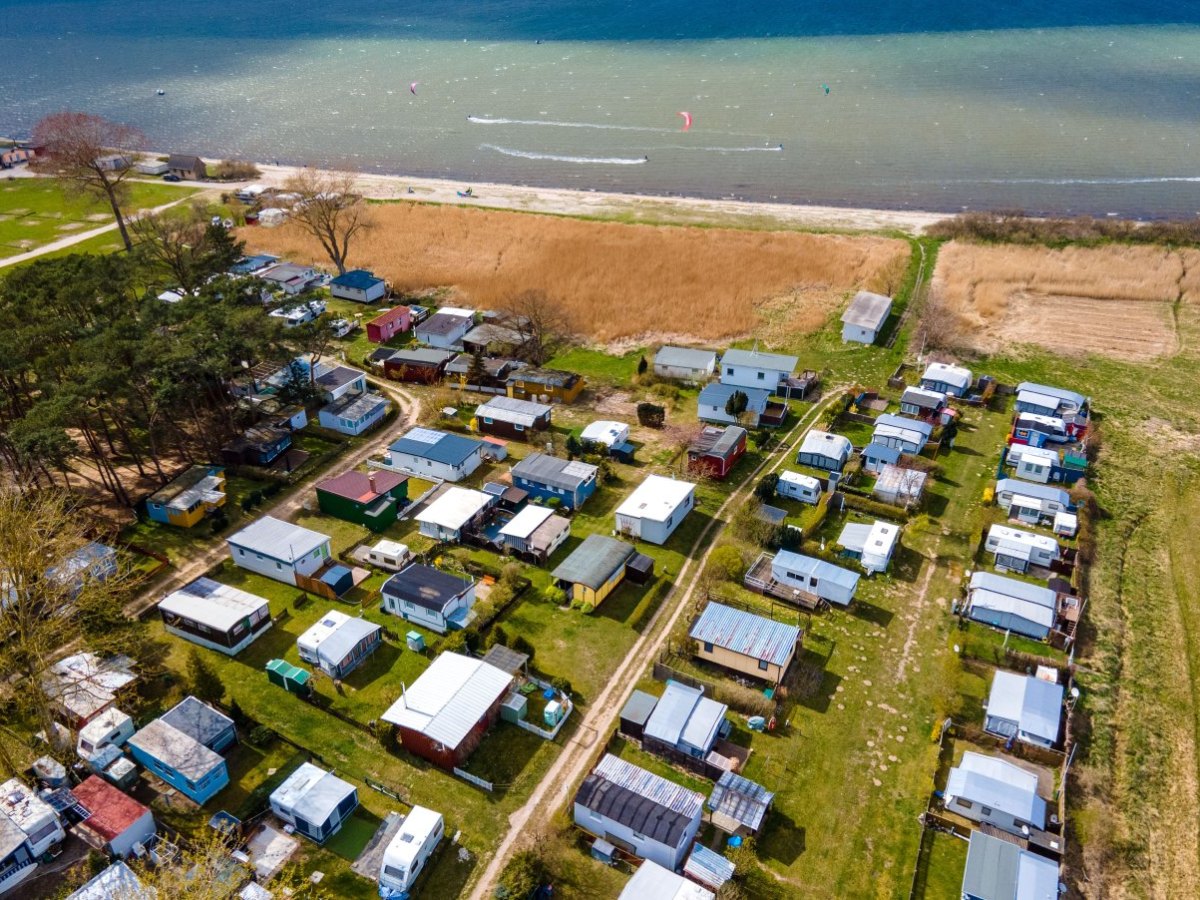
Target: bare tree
188,247
328,208
541,324
940,326
76,147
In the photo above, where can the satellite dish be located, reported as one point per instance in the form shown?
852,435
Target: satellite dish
1075,693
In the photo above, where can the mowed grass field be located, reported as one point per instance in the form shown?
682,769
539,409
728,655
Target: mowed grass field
1117,300
39,211
617,281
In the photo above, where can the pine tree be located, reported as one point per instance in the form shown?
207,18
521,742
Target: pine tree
203,680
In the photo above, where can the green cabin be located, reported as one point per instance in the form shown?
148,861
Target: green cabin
372,499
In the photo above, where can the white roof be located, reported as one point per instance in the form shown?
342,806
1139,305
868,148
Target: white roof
393,549
1066,519
653,882
825,444
1037,418
906,482
1035,705
23,807
454,508
319,632
1015,606
211,603
311,793
100,726
910,435
516,412
878,538
116,881
449,698
999,784
944,372
605,432
278,539
867,310
1018,452
1016,539
805,481
815,568
527,521
402,850
456,311
656,498
1046,401
83,683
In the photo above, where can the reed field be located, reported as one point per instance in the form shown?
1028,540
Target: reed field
1116,300
616,281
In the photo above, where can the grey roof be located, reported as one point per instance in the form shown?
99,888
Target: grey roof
685,358
181,752
506,659
1060,394
185,161
708,866
423,356
641,800
278,539
998,784
745,633
594,561
494,367
553,471
1035,705
717,394
338,376
117,882
355,406
824,443
923,397
757,360
684,715
425,586
11,836
638,707
811,566
198,720
311,793
999,870
548,377
443,323
345,638
439,446
1036,491
868,310
740,799
516,412
490,332
925,428
880,452
1011,587
716,441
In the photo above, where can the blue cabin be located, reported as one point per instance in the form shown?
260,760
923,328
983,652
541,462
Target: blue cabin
550,477
182,748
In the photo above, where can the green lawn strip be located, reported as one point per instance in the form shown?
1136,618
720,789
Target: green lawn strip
941,870
598,366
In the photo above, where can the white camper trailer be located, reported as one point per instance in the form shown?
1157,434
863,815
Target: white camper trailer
409,850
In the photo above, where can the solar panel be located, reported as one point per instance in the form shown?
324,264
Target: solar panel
424,435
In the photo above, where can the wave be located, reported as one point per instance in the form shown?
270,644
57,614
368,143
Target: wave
578,160
483,120
1163,179
776,149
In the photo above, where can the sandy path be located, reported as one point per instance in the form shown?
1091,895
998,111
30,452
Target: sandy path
173,579
553,790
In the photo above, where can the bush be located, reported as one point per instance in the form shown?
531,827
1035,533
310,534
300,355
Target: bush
728,562
522,645
234,170
524,874
203,681
456,642
765,489
260,736
496,636
554,502
560,684
385,734
651,415
219,522
875,508
555,595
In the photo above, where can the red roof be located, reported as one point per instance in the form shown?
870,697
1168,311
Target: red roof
356,486
113,811
395,314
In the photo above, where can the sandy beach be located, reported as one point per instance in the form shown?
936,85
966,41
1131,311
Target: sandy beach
681,210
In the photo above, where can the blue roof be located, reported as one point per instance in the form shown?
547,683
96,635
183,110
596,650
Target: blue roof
881,452
717,394
360,279
745,633
708,866
252,263
439,446
334,575
1037,491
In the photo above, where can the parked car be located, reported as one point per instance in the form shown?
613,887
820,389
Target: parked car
342,327
172,178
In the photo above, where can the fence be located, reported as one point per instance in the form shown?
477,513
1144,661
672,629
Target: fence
475,780
568,706
385,790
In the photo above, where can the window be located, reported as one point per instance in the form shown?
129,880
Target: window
279,566
762,376
728,371
708,647
519,427
241,552
963,802
487,420
986,810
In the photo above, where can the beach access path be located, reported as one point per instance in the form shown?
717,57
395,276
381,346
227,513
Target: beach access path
579,753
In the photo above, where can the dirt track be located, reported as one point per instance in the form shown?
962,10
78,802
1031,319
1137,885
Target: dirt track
578,754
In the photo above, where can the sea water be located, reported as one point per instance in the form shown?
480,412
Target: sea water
1076,106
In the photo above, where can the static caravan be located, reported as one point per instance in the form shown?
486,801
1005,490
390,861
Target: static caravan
454,511
1035,464
314,802
338,644
215,615
947,379
823,450
36,819
1033,504
409,850
795,486
1017,550
872,545
100,740
814,576
714,398
390,555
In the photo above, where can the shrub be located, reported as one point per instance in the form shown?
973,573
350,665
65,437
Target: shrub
219,522
496,636
560,684
203,681
554,502
765,489
875,508
651,415
234,170
523,874
728,562
574,446
385,734
555,595
521,644
260,736
455,642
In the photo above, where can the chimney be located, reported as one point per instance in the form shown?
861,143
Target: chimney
371,480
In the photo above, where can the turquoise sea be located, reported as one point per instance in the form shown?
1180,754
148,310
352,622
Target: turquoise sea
1073,106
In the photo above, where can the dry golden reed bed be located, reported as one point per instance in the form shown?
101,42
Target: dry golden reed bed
1114,300
615,281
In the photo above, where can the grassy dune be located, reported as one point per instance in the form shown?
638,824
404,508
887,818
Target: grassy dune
617,281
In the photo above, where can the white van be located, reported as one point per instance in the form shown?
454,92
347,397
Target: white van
409,851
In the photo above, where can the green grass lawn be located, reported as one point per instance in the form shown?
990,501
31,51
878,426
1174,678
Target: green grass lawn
38,211
597,366
941,872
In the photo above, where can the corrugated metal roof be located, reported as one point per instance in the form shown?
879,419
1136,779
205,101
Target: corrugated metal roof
594,561
684,715
999,784
211,603
551,471
278,539
717,441
685,358
740,799
708,866
513,411
816,568
449,698
745,633
668,794
868,310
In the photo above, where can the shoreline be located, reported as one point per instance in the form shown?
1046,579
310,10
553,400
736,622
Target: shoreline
613,205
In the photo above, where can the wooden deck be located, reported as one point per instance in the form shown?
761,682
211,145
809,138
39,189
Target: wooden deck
758,578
